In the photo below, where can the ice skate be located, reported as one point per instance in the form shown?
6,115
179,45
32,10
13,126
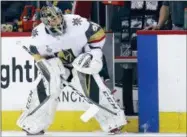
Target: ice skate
39,133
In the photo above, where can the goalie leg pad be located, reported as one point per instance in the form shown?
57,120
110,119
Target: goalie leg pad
53,70
107,120
39,117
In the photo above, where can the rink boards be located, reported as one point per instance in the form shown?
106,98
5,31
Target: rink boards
162,81
162,93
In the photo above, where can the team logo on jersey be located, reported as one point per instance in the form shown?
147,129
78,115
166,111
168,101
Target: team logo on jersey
48,49
95,26
66,56
76,21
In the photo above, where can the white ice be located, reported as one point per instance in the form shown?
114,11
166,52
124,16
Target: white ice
22,134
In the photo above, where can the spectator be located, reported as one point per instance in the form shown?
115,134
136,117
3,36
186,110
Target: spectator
12,10
176,9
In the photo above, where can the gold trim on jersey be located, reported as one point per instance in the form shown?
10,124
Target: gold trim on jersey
37,57
99,35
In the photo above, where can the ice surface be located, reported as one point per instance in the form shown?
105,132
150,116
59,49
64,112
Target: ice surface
101,134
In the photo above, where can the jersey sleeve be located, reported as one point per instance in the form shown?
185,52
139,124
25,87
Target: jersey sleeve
33,46
95,35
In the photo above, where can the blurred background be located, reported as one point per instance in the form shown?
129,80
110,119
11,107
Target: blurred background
114,16
123,18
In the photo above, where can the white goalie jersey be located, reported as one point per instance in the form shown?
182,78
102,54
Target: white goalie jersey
80,36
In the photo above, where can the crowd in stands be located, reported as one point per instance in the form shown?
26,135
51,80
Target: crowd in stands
22,16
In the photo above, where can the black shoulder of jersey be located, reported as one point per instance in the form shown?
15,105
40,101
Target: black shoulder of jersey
93,28
94,33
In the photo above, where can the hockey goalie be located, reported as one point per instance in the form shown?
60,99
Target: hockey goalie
67,47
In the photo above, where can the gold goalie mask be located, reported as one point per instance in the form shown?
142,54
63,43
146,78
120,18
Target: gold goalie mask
53,19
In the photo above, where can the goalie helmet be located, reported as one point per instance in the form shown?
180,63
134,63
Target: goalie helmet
53,19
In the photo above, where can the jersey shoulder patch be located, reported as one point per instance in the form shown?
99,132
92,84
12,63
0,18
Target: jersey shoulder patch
76,21
38,30
34,32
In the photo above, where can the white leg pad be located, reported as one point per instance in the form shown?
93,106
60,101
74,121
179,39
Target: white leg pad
39,116
109,121
41,119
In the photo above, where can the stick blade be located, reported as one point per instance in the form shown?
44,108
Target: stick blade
91,112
